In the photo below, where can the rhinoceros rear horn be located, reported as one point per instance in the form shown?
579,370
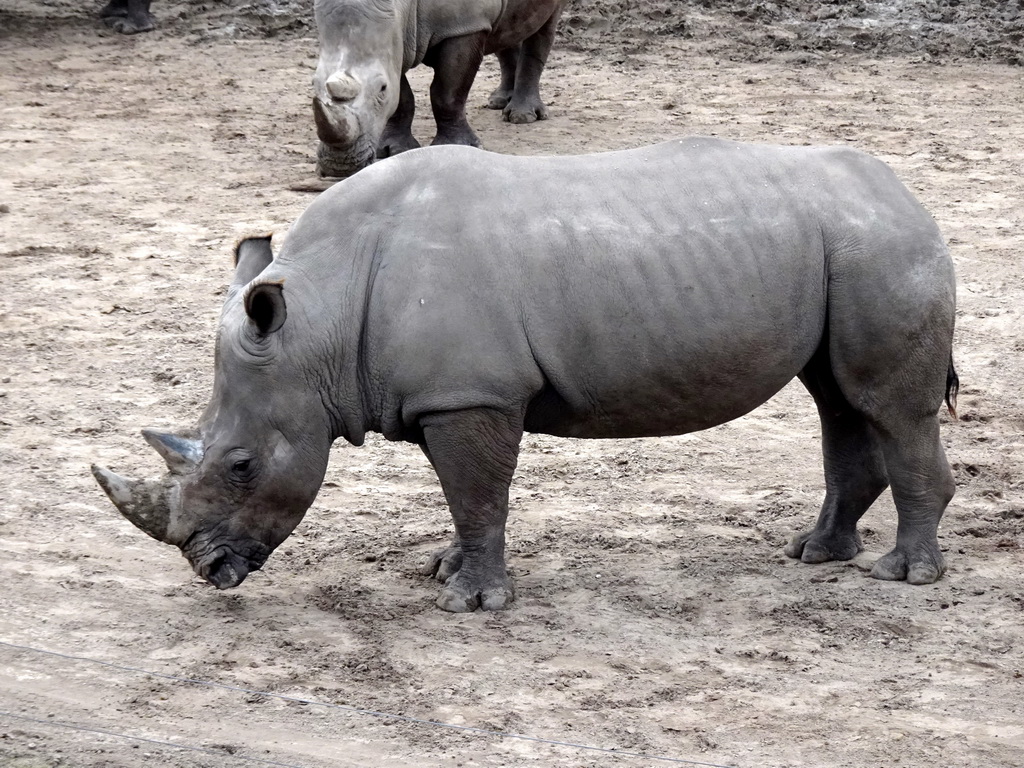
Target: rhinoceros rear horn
143,502
182,454
252,256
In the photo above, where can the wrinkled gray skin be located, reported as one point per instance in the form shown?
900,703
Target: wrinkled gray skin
128,17
655,291
362,103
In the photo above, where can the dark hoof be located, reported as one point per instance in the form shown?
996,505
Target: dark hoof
924,567
499,100
520,114
462,594
812,547
443,564
390,148
465,139
130,25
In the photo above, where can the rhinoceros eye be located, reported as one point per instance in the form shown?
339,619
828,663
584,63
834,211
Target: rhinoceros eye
241,467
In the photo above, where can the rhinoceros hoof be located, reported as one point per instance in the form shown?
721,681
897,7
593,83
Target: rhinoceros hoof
814,547
923,566
131,25
464,594
499,99
522,113
392,147
443,563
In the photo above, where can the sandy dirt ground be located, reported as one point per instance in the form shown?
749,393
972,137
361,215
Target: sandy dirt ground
655,613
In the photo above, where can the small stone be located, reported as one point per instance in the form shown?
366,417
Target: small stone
5,208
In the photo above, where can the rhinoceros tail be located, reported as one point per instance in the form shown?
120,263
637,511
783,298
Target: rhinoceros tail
952,388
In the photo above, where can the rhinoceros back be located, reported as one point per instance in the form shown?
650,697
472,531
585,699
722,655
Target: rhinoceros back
644,292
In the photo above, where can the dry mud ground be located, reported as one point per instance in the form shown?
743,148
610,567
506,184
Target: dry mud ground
655,613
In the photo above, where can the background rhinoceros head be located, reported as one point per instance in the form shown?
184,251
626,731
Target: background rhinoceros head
357,81
239,483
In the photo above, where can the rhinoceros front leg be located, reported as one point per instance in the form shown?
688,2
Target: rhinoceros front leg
455,62
502,95
128,16
526,106
474,453
397,136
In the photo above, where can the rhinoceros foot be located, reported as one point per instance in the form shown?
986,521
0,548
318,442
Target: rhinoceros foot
922,565
443,563
391,145
521,111
469,585
499,98
465,592
127,18
819,547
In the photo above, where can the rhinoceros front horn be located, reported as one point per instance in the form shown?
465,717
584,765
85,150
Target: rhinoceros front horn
143,502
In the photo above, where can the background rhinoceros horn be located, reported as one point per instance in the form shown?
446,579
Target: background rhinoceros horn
143,502
182,454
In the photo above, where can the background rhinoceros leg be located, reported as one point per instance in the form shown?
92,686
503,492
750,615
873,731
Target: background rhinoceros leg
855,472
455,62
474,453
526,106
128,16
502,95
397,136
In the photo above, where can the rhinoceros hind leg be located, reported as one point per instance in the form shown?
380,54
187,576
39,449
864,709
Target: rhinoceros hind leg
893,364
526,105
922,486
455,62
474,453
855,473
397,136
502,95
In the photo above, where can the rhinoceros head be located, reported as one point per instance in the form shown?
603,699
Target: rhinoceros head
239,483
357,81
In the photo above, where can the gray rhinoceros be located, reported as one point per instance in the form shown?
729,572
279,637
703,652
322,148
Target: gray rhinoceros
648,292
362,102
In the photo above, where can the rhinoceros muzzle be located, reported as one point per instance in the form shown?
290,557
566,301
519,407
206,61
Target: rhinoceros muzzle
225,565
224,568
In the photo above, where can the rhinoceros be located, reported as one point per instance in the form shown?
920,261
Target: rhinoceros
363,105
640,293
128,16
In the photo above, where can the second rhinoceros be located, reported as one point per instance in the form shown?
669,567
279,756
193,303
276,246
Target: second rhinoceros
648,292
362,102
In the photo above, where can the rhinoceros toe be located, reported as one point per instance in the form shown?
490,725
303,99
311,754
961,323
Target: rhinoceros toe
463,594
917,567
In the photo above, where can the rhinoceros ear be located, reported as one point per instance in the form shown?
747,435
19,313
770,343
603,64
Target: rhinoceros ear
264,304
252,256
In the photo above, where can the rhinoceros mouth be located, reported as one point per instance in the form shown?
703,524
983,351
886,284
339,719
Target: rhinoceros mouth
224,567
